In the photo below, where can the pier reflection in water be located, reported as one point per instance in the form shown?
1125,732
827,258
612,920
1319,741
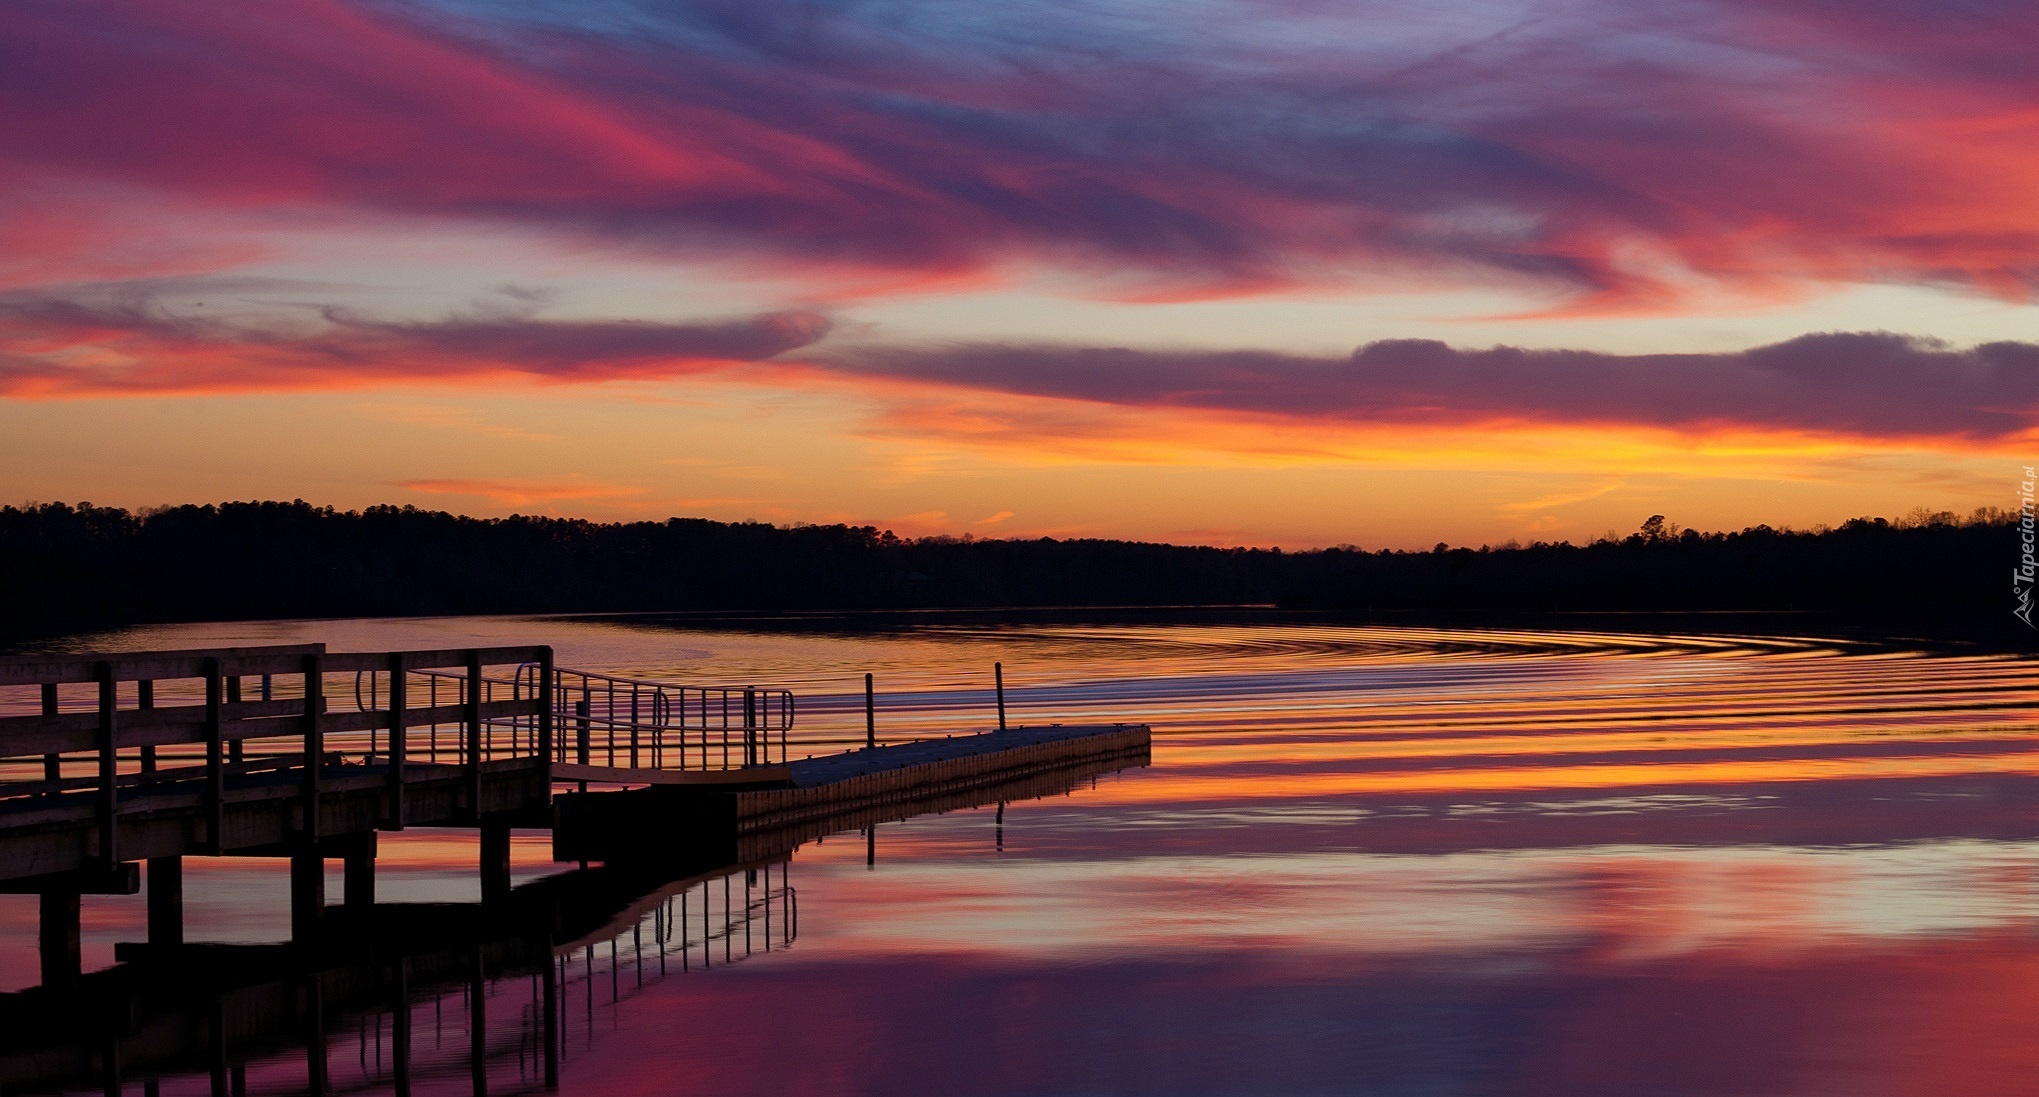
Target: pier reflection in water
1374,860
404,998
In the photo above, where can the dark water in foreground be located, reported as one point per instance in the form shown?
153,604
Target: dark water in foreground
1364,860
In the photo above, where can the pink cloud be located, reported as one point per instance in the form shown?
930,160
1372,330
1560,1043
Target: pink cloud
1763,147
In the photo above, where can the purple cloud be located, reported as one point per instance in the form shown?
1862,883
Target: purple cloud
1870,384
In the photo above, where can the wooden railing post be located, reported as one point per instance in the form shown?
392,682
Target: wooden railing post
109,768
399,700
750,726
473,720
235,751
52,764
998,676
145,699
314,742
545,729
215,761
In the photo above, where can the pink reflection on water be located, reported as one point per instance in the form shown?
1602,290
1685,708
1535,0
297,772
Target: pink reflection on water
1364,860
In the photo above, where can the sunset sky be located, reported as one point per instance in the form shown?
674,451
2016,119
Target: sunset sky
1296,272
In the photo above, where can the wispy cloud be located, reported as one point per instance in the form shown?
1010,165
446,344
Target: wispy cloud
110,342
1605,151
1562,499
516,493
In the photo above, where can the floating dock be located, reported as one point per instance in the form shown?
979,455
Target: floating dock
645,822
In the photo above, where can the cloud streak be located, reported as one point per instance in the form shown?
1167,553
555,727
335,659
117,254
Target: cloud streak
1604,152
1864,385
1872,385
53,345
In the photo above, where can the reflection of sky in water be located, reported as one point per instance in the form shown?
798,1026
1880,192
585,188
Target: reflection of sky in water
1355,904
1393,861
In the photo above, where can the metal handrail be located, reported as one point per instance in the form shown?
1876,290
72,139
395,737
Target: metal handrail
619,722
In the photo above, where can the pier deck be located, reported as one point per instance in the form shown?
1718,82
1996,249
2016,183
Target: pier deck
184,761
639,822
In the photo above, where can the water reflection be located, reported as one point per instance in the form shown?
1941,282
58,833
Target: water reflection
480,998
1390,861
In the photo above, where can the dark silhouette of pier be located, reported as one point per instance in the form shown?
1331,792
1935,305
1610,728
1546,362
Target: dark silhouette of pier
305,755
503,992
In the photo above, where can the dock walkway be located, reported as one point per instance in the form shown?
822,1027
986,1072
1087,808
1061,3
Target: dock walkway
180,760
642,823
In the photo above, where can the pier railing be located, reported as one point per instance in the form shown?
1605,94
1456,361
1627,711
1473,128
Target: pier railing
624,723
118,719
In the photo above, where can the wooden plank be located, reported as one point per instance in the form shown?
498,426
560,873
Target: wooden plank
23,736
349,662
30,670
619,775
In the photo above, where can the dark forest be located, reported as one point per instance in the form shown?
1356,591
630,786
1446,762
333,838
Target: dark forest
77,567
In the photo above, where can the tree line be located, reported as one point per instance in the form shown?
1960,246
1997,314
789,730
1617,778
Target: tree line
69,568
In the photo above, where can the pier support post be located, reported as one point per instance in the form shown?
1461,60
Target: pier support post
316,1074
477,1026
166,901
307,895
495,861
62,954
358,875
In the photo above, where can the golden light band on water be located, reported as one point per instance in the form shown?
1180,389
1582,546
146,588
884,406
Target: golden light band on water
1190,784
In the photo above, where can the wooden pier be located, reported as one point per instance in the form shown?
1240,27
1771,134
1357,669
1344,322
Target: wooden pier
298,753
199,1010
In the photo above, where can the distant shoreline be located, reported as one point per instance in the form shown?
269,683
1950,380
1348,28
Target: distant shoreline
1929,579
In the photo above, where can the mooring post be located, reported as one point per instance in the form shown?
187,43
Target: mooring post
870,715
871,846
62,955
307,894
495,860
166,901
998,677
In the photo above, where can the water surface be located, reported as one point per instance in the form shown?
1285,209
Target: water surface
1364,860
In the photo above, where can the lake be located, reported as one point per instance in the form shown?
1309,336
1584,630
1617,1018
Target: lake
1363,860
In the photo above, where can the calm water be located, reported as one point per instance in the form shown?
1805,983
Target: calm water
1364,860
